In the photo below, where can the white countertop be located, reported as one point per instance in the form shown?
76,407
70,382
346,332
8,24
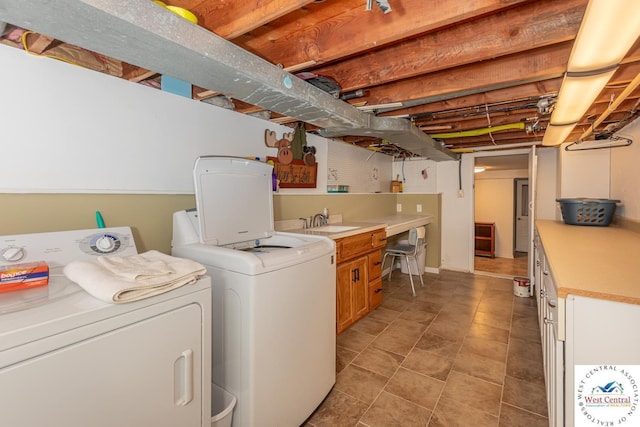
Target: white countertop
394,224
596,262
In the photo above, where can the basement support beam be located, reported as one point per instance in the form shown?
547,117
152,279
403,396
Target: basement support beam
142,33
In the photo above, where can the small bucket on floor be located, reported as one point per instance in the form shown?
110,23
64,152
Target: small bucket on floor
521,287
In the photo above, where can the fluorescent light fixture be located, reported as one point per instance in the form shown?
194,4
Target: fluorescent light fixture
479,169
576,96
608,30
556,134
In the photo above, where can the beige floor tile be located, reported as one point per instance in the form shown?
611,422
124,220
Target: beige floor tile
337,410
479,330
474,392
370,326
524,361
394,342
483,347
511,416
360,383
497,320
379,361
354,340
449,327
446,347
417,388
344,356
525,395
480,367
450,413
428,363
389,410
384,315
424,317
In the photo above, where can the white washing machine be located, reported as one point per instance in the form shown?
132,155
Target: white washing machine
274,295
69,359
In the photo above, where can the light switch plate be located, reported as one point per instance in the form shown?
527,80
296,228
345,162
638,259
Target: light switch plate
399,207
461,193
418,207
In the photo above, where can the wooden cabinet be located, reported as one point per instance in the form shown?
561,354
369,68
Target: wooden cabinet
485,239
358,276
352,297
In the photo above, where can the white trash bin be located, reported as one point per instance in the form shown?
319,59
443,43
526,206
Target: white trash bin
222,404
414,268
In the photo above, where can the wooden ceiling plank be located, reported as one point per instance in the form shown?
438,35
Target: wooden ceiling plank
230,19
358,30
516,30
542,64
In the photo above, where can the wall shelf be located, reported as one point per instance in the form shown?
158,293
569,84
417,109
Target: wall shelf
485,239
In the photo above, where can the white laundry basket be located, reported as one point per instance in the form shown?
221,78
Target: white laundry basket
222,404
420,257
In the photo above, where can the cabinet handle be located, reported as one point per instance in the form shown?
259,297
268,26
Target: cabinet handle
537,263
546,273
377,263
377,291
552,303
543,293
548,321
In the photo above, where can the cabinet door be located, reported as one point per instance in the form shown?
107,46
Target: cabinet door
352,292
146,374
360,287
344,300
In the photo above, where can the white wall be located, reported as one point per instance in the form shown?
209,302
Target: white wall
583,173
364,171
625,173
457,214
546,205
67,129
418,175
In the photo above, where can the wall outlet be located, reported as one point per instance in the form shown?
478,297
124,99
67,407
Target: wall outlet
418,207
461,193
399,207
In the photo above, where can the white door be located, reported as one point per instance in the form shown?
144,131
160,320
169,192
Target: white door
522,217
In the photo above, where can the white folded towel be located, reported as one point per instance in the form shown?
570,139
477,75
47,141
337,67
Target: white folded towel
126,279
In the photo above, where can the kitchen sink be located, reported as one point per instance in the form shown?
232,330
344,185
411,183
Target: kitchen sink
334,228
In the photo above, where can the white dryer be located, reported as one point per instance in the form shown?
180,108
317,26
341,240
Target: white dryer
274,298
69,359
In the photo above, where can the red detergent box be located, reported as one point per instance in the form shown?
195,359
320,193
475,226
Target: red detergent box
23,276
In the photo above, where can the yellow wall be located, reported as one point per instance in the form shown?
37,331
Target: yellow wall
150,215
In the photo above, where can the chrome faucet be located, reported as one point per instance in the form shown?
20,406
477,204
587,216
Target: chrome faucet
319,220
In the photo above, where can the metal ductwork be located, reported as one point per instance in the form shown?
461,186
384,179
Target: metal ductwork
142,33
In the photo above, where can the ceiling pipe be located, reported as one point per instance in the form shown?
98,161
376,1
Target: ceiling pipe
142,33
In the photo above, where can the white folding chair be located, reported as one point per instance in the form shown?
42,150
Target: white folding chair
410,251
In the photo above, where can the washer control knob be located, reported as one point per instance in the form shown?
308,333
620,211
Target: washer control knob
13,254
105,244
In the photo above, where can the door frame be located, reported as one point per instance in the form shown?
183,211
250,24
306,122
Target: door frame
531,175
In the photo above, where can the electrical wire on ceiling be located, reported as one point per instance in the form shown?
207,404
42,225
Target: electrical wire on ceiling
482,109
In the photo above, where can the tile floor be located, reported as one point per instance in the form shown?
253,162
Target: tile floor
463,352
506,267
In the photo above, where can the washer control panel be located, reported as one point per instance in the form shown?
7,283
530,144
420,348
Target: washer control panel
60,248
